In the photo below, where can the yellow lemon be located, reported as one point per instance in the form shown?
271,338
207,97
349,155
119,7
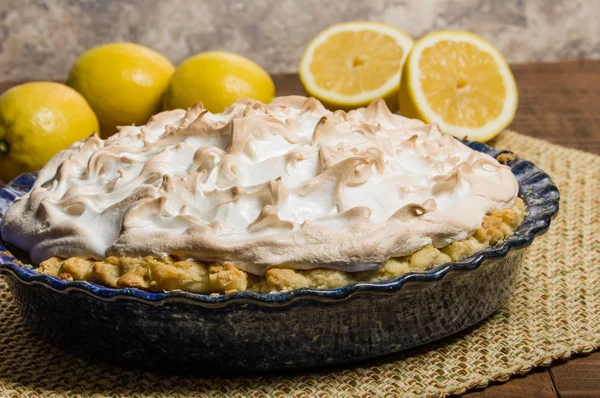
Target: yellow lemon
37,120
217,79
350,64
123,83
461,82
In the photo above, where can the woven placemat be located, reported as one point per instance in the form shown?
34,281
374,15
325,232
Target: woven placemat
553,314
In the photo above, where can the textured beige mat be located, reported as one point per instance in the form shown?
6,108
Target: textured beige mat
554,313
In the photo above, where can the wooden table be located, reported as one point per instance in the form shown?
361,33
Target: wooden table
559,102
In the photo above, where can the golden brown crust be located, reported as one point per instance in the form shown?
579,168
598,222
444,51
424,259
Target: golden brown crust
506,157
164,274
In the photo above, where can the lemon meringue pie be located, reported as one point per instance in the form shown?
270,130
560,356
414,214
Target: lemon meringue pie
263,197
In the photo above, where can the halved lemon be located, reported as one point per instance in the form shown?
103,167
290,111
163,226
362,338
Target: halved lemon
350,64
460,82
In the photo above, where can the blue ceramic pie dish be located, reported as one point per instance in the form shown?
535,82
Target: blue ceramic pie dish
303,328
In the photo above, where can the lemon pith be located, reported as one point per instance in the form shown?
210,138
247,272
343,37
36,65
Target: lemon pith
350,64
461,82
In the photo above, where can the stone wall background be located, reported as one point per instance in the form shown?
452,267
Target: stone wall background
39,39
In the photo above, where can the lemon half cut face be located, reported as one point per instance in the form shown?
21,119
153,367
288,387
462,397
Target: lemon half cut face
460,82
350,64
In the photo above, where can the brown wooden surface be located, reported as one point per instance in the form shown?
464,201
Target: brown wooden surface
559,102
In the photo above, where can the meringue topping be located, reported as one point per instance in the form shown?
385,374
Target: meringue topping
288,184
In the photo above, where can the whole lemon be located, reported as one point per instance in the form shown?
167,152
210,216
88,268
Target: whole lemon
123,83
37,120
218,79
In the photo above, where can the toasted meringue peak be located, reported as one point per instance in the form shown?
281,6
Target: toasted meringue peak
288,184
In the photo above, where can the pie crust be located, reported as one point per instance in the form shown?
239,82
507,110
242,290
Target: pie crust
166,274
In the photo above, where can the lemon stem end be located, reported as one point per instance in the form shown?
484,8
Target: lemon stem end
4,148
